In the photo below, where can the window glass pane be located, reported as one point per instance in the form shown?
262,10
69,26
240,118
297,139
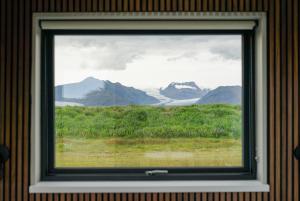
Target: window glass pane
148,101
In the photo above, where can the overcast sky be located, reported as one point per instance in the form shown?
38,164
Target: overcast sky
149,61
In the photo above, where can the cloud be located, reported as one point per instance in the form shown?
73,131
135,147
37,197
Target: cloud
117,52
227,53
229,49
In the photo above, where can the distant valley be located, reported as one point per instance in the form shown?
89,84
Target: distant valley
95,92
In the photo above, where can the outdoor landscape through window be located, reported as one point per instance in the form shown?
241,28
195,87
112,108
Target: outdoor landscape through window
148,101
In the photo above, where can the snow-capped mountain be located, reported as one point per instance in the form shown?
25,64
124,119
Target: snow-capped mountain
183,90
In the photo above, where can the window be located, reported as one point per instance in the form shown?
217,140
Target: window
157,100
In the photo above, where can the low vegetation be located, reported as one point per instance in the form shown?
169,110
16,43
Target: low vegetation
211,121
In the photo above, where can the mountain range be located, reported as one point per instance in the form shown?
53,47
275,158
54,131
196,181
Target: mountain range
95,92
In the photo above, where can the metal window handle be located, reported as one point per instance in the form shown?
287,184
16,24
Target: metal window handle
156,172
4,156
297,153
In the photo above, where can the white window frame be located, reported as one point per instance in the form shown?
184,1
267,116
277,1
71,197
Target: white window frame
196,20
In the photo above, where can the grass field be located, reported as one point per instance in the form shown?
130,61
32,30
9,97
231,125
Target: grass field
120,152
141,136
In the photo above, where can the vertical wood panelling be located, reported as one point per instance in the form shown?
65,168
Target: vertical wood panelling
283,93
271,96
2,83
296,83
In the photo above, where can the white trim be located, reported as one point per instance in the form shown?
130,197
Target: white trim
149,186
158,186
148,25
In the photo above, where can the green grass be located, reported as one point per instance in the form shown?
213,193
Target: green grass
147,136
212,121
148,152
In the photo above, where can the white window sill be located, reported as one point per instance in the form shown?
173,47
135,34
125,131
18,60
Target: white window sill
149,186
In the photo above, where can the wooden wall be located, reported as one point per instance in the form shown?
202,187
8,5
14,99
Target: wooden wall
283,92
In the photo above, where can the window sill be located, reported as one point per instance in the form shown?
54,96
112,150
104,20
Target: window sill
149,186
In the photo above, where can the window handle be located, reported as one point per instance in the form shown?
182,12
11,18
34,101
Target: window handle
156,172
4,156
297,152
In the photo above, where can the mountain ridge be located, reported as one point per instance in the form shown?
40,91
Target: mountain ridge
95,92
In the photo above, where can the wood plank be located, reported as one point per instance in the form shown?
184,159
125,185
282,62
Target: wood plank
13,149
229,5
89,5
156,5
186,6
241,196
150,5
162,5
247,5
48,196
192,5
130,197
26,88
144,5
253,5
179,5
271,69
107,6
283,89
210,196
198,5
235,6
204,5
118,197
241,5
77,5
113,6
278,100
253,196
2,83
75,197
51,5
174,5
223,5
228,196
259,6
204,196
137,5
94,5
46,6
296,78
58,5
86,196
235,196
101,5
173,196
70,5
7,125
222,196
247,197
65,5
131,5
105,197
266,5
217,5
20,99
125,5
289,183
